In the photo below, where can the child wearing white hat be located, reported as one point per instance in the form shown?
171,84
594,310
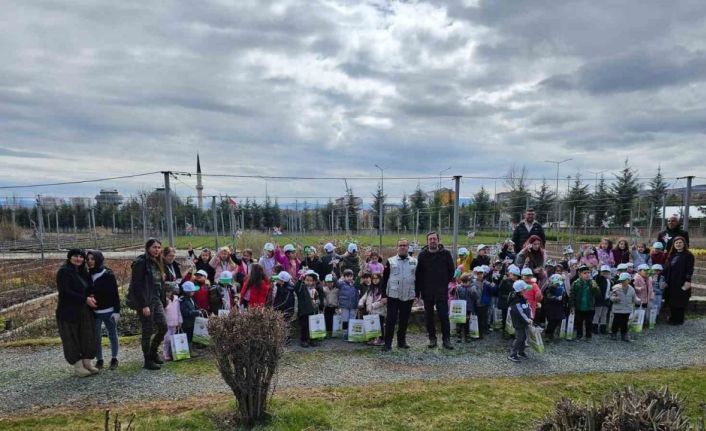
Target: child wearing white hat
521,318
623,298
643,285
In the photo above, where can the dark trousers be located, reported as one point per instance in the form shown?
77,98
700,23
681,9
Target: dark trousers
505,316
482,313
442,310
328,318
551,327
518,346
584,319
462,328
382,327
620,322
304,328
78,338
154,328
676,315
397,311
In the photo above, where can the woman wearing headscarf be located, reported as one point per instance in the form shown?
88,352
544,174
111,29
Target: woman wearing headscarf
74,313
679,268
105,292
147,296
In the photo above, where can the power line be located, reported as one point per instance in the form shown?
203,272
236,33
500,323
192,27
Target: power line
79,182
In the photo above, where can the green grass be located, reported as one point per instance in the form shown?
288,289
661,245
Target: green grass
479,404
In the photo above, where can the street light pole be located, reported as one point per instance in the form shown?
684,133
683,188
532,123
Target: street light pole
557,163
381,221
439,192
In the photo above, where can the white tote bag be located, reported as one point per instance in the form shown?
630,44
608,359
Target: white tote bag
337,327
317,327
457,311
509,329
201,331
535,338
497,318
473,330
180,347
637,320
372,326
356,331
653,317
567,327
223,313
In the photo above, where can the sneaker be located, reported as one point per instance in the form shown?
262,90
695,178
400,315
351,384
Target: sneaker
99,364
114,364
523,355
513,358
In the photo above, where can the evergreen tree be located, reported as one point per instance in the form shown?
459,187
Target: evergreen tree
601,202
626,190
545,199
378,199
352,208
517,184
658,190
578,201
406,222
418,201
482,208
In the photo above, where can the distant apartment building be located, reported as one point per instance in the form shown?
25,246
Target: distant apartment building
109,197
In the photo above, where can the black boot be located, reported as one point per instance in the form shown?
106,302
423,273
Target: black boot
149,364
595,328
604,329
432,343
154,355
447,345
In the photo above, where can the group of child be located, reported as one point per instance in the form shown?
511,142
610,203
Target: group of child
596,292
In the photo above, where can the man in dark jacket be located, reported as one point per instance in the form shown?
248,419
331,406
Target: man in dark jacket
673,230
435,270
525,229
146,296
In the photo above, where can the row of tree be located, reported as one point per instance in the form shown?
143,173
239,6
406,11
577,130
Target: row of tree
611,205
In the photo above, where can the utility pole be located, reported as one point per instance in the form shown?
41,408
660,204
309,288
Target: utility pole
416,227
168,208
556,201
215,219
664,212
95,231
457,181
56,222
687,201
40,226
381,220
144,222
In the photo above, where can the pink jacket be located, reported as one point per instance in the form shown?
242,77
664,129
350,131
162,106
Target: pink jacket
173,312
643,289
291,266
221,266
605,257
533,296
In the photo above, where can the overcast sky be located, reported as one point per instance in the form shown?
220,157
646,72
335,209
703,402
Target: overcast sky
326,88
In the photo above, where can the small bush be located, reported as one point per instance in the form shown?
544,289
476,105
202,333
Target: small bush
248,346
625,410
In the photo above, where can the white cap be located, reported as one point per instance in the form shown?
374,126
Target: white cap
519,286
463,251
486,268
288,247
312,249
657,267
269,247
605,268
643,266
284,276
622,267
478,269
629,264
481,247
573,261
658,245
556,279
188,287
226,275
568,250
202,272
624,276
352,248
328,248
329,278
513,269
312,272
526,271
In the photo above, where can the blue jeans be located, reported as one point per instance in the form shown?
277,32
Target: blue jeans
106,318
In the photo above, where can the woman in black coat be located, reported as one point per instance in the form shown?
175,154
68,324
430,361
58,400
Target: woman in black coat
107,312
74,315
679,269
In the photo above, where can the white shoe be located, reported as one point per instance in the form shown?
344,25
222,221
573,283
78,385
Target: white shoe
79,370
89,366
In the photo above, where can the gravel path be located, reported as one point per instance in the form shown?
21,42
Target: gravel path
33,379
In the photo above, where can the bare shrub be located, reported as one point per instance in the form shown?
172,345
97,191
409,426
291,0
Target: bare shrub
624,410
248,346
